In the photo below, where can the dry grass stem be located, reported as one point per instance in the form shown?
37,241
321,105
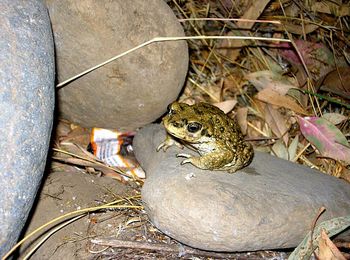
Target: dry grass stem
165,39
70,214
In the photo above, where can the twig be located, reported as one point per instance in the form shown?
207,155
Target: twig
180,249
300,153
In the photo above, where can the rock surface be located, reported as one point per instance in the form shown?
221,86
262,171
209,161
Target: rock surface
125,93
270,204
26,105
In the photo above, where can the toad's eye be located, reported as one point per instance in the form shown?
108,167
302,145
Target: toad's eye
194,127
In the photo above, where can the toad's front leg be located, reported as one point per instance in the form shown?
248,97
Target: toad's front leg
169,141
210,161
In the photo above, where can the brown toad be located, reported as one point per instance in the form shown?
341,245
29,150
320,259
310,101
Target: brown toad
215,136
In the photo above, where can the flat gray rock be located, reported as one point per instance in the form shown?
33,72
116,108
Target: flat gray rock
268,205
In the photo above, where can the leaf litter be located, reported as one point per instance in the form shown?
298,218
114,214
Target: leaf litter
292,103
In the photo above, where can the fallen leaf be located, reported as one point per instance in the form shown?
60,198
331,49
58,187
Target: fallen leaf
62,128
326,137
306,248
227,105
241,117
78,135
301,30
277,123
280,150
330,7
310,51
337,81
232,49
253,12
318,58
334,118
327,250
269,79
293,148
272,97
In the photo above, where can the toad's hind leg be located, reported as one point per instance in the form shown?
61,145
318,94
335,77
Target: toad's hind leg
242,161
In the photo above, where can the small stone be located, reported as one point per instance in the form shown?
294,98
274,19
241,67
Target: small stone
268,205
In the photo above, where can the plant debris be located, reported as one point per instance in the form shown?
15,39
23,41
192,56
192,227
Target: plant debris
275,90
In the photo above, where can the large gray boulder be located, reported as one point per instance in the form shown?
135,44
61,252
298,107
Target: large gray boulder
129,92
268,205
26,105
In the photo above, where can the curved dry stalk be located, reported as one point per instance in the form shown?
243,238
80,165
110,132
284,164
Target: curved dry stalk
76,212
165,39
29,254
230,19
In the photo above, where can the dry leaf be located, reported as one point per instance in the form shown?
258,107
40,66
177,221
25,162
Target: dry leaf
327,250
337,81
293,148
334,118
314,54
276,121
63,128
253,13
330,7
272,97
233,48
298,29
318,58
280,150
306,248
78,135
269,79
241,117
227,105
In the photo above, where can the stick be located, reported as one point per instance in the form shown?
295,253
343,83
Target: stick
179,249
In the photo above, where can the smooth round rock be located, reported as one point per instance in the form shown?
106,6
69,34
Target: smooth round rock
268,205
131,91
26,105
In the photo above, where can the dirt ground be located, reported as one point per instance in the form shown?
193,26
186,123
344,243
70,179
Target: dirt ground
107,234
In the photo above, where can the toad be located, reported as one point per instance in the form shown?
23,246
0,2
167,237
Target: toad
208,130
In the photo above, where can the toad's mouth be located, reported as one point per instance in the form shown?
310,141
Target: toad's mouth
185,138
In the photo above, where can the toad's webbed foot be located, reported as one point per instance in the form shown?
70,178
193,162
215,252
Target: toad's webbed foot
169,141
